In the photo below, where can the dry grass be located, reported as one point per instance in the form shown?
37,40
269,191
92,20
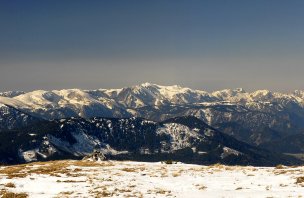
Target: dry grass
117,174
14,171
10,185
132,186
162,191
126,190
300,180
70,181
14,195
164,173
137,194
64,194
142,168
200,186
279,166
169,162
129,170
77,170
229,168
52,164
20,171
280,172
56,169
101,191
176,174
216,165
83,163
52,168
104,193
287,171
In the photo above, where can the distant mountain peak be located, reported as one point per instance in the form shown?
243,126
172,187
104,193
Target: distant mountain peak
148,84
241,90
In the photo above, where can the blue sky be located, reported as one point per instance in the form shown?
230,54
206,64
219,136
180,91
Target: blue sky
207,45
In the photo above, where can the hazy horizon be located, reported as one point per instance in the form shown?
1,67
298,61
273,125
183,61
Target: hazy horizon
207,45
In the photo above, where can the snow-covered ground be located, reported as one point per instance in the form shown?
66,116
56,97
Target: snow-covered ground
140,179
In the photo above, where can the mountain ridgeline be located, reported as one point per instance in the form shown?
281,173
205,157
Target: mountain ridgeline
260,119
185,139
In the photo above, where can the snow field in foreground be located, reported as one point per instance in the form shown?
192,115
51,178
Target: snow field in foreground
140,179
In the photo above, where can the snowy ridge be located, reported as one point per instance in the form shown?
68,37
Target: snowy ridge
11,94
142,95
252,117
11,118
12,102
63,103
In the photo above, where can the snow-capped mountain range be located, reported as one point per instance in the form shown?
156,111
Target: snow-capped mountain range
255,117
125,102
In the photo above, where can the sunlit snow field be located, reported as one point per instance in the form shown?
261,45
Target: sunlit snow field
141,179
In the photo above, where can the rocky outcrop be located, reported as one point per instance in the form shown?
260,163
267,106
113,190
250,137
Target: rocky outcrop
95,156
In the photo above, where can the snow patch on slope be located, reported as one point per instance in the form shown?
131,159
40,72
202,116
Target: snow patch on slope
181,136
14,103
229,151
